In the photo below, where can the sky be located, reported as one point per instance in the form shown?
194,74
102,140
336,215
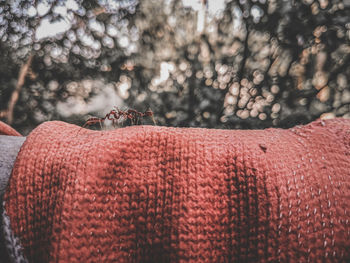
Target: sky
214,6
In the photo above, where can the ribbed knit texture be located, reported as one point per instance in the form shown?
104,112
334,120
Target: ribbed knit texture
8,130
157,194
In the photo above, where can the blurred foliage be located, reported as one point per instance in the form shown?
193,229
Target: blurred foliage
255,64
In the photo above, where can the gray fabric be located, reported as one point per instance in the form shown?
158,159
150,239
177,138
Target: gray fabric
9,148
11,243
10,249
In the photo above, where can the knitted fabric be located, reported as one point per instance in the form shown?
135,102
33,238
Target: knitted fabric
7,130
157,194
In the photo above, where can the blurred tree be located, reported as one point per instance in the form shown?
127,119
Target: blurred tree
256,64
51,43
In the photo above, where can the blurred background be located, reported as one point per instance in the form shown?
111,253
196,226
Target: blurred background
246,64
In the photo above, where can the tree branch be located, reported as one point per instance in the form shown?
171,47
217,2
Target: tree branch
24,70
240,72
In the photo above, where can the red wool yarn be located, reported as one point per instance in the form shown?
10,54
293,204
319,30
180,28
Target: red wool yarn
7,130
158,194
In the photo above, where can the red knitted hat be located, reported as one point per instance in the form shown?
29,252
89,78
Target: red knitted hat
157,194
